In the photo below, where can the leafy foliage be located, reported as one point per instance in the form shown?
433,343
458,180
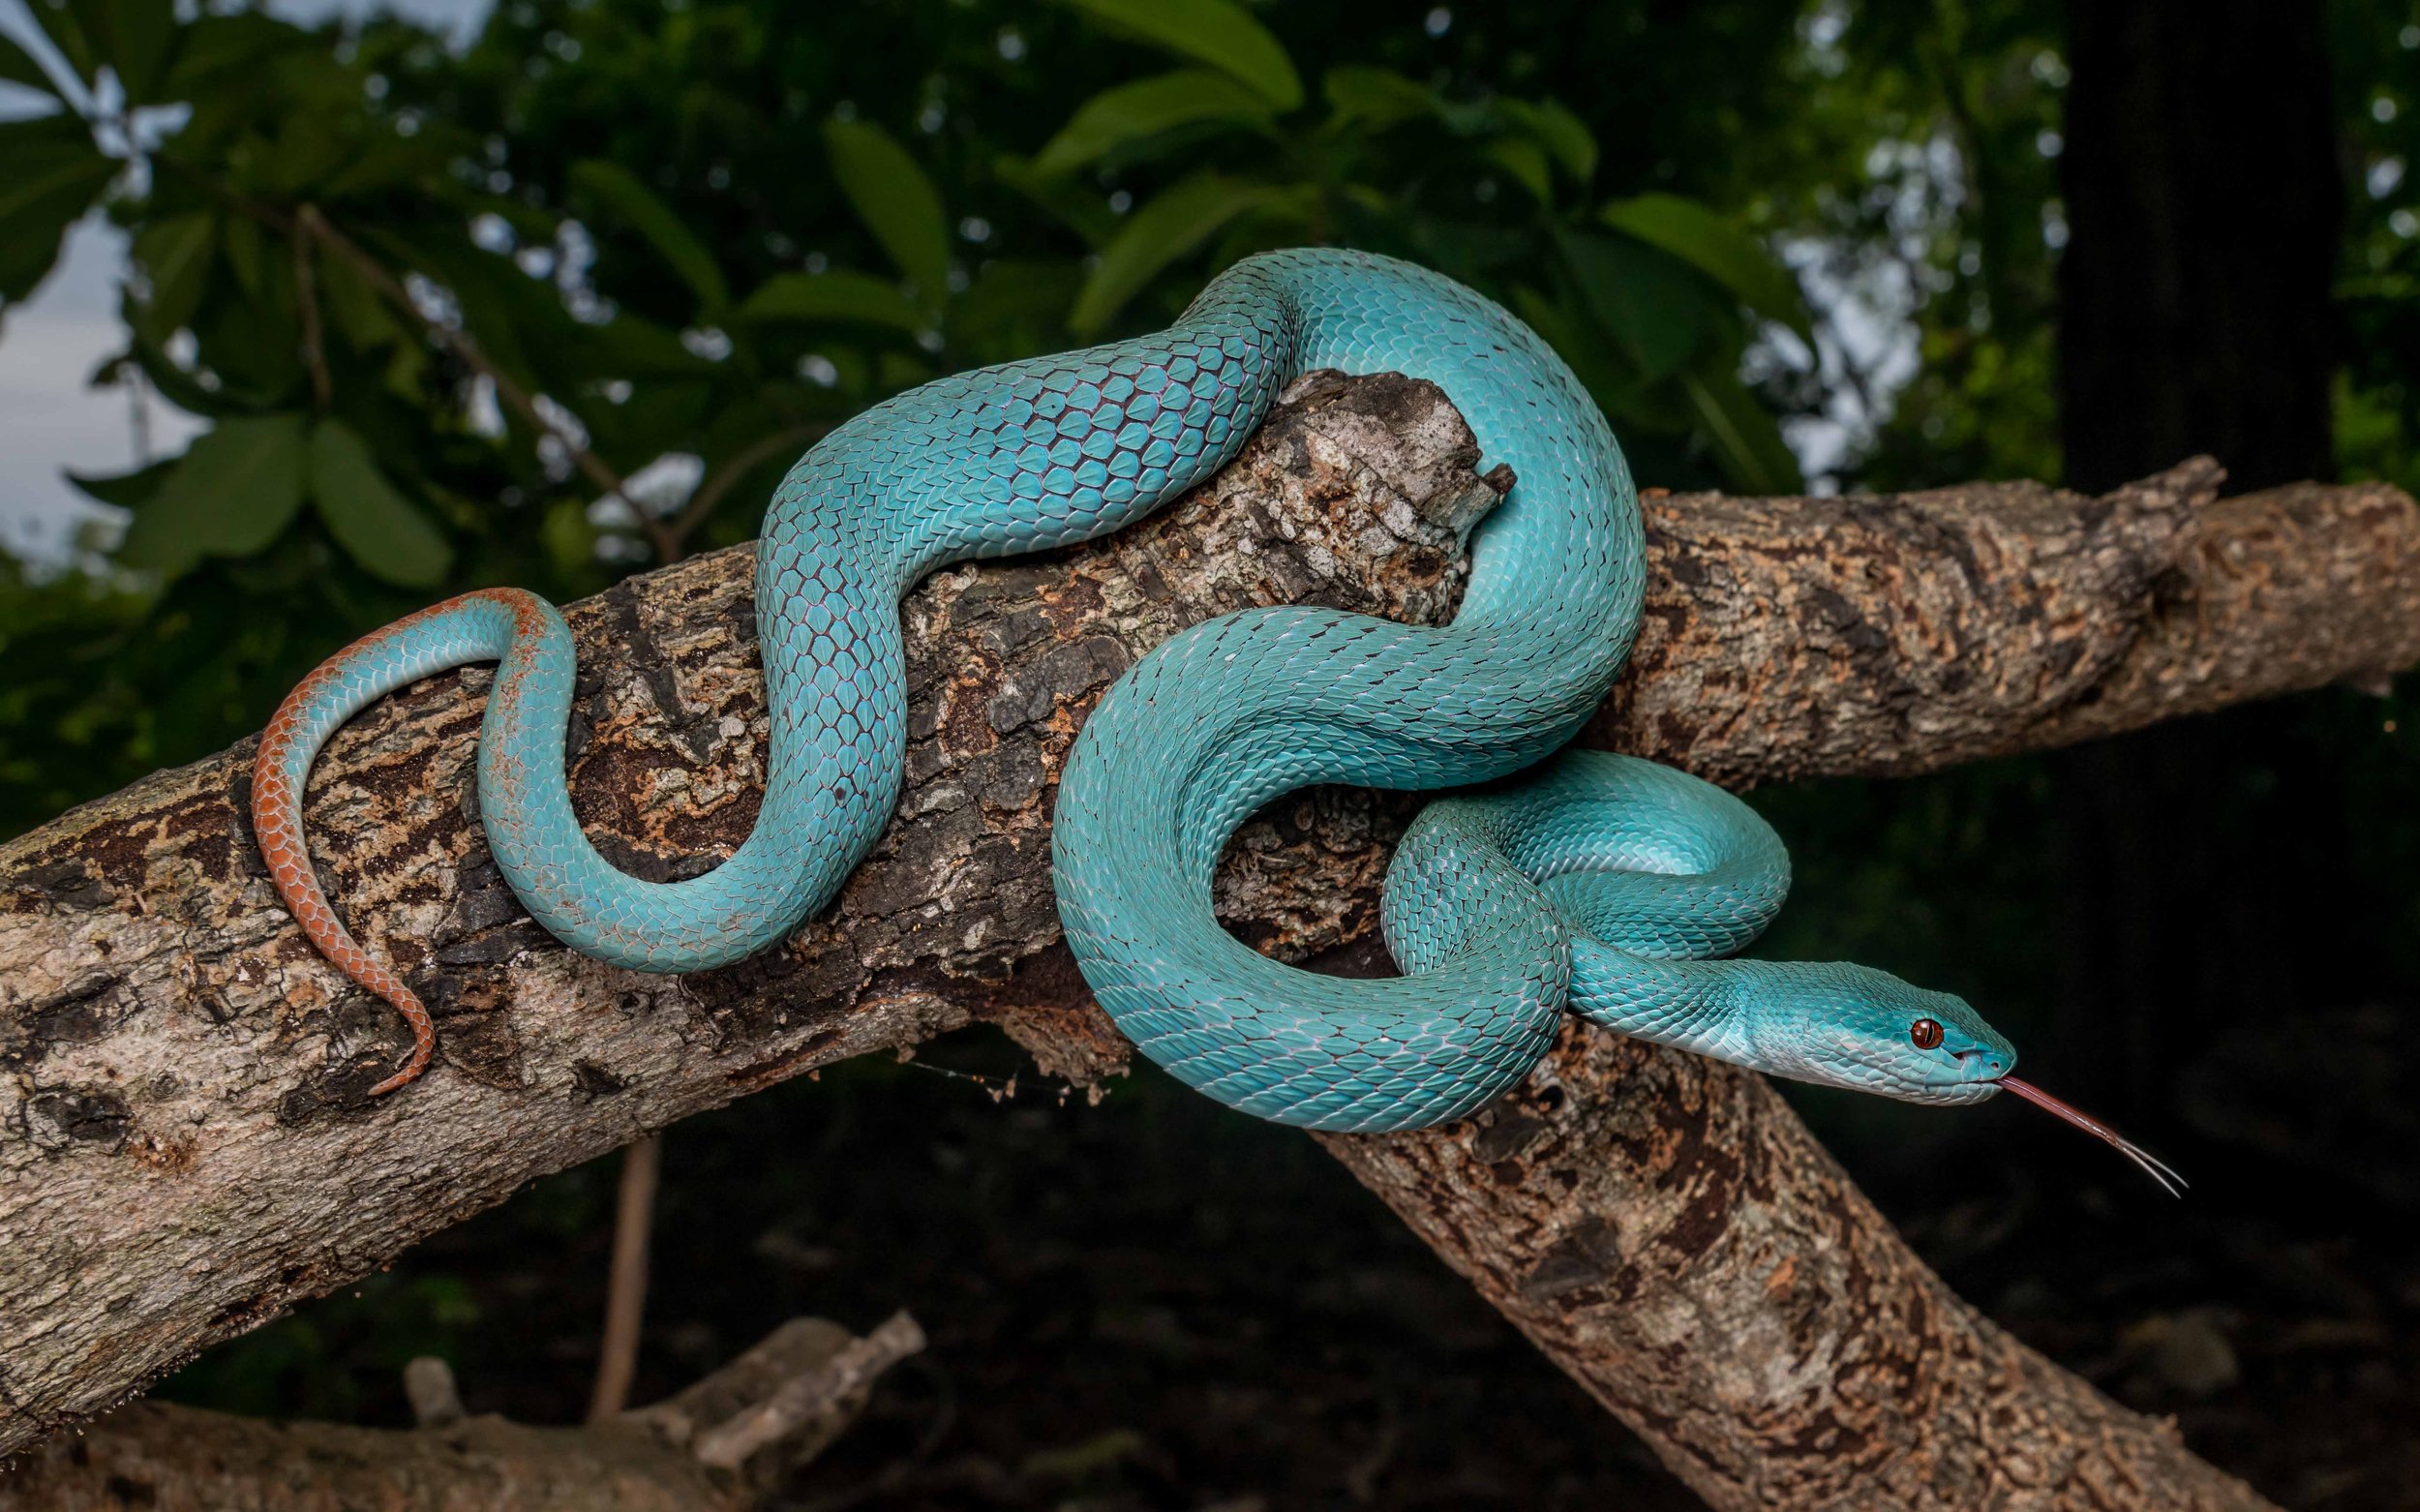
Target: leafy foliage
455,320
444,308
1649,297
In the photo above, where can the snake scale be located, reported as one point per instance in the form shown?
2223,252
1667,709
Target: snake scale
1587,883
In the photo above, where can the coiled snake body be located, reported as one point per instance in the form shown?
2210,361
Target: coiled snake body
1599,884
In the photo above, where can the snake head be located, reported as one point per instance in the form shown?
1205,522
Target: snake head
1852,1026
1866,1030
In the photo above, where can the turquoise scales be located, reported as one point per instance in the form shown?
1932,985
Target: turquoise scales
1600,884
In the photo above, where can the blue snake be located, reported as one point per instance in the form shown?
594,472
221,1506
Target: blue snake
1589,883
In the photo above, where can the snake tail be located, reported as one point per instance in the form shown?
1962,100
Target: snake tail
508,625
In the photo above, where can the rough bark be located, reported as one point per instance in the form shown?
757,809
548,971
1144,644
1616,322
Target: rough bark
1663,1228
779,1405
1900,634
186,1148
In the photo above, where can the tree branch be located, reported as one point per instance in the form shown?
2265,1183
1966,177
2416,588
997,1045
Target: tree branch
715,1448
186,1146
1907,633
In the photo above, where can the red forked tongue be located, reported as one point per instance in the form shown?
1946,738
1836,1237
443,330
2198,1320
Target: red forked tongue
2153,1167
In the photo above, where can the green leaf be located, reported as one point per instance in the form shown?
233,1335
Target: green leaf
1017,306
1655,311
230,495
499,304
216,44
1163,230
247,249
174,252
390,161
1148,108
53,175
407,372
1378,98
299,156
1526,160
1715,248
377,527
857,297
1747,439
894,370
126,490
140,34
619,191
569,539
175,385
18,67
1217,32
1605,372
896,200
632,344
354,306
655,419
1556,130
64,24
1078,206
742,426
42,154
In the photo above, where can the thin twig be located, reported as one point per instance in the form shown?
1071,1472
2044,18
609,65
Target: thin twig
315,347
709,492
138,419
308,222
667,537
626,1284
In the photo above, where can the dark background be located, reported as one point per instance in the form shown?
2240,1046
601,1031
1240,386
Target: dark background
2021,240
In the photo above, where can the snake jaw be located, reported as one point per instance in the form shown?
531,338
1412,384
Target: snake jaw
2152,1165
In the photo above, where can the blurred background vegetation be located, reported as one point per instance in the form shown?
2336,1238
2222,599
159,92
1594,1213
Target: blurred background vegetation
558,298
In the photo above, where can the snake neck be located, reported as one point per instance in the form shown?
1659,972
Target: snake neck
1826,1023
1689,1004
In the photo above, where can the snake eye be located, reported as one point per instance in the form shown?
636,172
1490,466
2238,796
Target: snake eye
1925,1033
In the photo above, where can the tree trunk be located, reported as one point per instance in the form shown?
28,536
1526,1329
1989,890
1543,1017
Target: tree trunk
186,1146
2204,204
2203,209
